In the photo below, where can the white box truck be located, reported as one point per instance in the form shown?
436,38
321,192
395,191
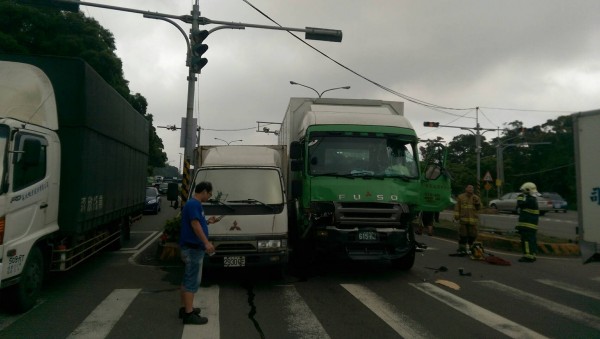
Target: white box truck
586,128
249,197
74,159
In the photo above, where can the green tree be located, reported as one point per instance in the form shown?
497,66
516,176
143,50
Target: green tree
38,30
550,166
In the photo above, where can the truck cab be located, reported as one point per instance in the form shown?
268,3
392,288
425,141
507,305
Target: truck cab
249,199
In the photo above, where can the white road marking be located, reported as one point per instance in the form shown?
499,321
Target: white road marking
401,323
565,311
207,299
571,288
141,243
493,320
301,321
104,317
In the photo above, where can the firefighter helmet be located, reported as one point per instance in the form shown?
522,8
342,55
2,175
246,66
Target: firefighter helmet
529,188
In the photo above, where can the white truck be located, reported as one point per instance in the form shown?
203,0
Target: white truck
73,164
249,197
586,127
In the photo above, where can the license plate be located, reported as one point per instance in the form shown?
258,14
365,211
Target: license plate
368,236
234,261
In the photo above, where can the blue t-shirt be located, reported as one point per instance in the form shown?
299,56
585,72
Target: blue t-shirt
192,210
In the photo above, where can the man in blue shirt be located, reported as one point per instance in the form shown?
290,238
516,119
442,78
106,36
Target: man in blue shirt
193,242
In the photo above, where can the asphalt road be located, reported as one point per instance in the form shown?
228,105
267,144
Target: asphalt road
113,296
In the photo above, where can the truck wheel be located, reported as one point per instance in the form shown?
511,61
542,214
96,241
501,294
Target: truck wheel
29,288
405,263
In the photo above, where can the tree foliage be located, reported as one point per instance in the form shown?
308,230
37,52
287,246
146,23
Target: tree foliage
44,31
543,154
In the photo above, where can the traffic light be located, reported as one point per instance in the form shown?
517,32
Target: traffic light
72,6
197,49
431,124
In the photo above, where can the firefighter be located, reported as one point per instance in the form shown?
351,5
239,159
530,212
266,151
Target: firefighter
466,212
529,213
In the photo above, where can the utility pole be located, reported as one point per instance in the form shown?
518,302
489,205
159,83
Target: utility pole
477,133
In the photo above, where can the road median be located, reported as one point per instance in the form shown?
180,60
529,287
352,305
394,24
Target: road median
511,241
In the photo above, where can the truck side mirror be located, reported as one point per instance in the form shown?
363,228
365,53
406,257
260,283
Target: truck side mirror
296,165
32,150
295,150
433,172
296,189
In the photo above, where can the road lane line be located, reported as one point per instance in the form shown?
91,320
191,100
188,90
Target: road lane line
104,317
207,299
571,288
401,323
493,320
565,311
301,321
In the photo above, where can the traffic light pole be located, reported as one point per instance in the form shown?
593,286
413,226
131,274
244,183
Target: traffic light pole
312,33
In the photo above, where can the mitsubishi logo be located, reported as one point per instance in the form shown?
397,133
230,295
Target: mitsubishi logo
235,226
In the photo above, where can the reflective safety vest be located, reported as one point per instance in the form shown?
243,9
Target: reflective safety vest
529,211
466,209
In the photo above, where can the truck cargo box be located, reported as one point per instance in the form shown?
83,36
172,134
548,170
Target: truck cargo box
104,145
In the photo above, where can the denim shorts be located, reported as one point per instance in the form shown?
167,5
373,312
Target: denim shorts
192,275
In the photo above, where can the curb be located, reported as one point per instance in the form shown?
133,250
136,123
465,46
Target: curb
497,242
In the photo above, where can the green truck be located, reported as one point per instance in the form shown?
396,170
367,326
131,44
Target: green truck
355,181
74,159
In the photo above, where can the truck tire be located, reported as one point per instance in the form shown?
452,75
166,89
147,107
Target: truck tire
28,290
405,263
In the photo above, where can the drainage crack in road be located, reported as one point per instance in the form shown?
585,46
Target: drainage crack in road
252,312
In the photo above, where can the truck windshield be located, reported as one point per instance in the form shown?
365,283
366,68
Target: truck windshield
361,156
4,131
244,185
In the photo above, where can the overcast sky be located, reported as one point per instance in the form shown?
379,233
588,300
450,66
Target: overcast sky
517,60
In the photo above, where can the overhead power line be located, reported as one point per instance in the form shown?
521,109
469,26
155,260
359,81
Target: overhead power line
389,90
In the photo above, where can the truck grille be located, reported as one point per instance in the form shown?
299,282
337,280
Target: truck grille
360,214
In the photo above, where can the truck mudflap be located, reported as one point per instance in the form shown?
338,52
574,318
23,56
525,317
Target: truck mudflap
366,243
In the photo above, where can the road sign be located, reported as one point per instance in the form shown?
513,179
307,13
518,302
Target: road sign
487,186
488,177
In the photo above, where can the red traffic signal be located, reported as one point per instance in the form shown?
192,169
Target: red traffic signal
431,124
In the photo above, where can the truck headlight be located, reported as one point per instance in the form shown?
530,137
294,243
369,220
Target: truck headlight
267,245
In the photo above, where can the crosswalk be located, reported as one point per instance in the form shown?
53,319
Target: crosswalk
302,322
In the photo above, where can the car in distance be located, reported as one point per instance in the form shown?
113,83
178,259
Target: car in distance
152,204
163,187
508,203
559,204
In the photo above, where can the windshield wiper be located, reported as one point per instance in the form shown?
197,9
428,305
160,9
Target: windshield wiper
253,201
335,174
212,201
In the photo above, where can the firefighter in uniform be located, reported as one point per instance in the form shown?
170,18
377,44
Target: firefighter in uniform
466,213
529,213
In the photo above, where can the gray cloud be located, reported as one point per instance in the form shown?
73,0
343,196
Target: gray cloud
537,54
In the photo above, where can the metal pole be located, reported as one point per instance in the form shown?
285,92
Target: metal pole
189,116
478,150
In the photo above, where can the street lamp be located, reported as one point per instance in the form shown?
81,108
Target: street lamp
500,161
229,142
319,94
